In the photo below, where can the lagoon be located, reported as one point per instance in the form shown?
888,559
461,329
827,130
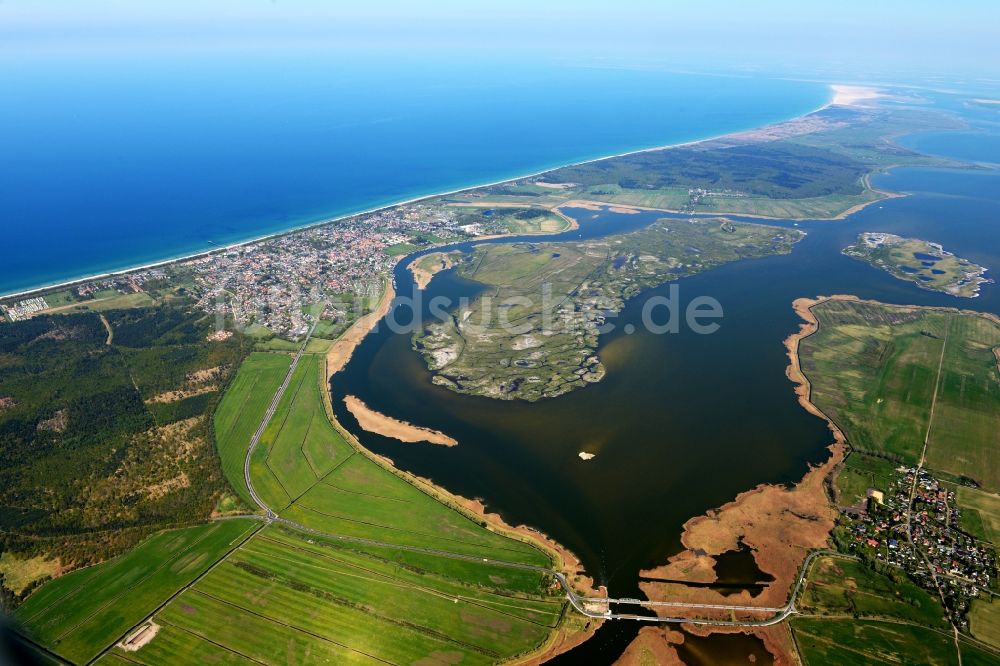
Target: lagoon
682,423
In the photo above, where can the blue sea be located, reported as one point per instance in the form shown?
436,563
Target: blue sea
109,162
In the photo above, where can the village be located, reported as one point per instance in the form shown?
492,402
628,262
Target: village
274,283
925,539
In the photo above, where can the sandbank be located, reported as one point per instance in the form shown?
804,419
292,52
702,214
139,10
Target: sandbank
387,426
845,95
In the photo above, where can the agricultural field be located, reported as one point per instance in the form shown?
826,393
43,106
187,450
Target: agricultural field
80,614
840,586
984,620
851,642
229,592
926,264
534,332
980,513
282,598
306,471
242,409
278,595
874,370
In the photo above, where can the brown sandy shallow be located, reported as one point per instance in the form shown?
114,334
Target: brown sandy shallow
387,426
421,276
780,524
655,645
340,351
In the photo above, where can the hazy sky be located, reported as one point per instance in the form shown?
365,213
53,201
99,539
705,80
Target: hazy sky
957,37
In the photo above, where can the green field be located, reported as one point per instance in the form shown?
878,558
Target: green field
241,410
305,470
861,472
284,597
873,369
850,642
980,513
81,613
281,594
984,620
534,331
840,586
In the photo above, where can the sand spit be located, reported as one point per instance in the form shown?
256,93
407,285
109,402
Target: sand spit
387,426
340,351
844,95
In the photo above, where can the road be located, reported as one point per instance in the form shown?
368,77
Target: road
913,488
271,409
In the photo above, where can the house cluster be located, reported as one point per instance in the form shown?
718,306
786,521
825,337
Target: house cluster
25,309
925,538
275,282
130,283
697,196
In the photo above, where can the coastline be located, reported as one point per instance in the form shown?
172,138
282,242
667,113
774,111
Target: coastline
41,289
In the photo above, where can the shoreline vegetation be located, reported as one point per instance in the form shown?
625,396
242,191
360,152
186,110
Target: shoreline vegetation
780,525
841,95
343,347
